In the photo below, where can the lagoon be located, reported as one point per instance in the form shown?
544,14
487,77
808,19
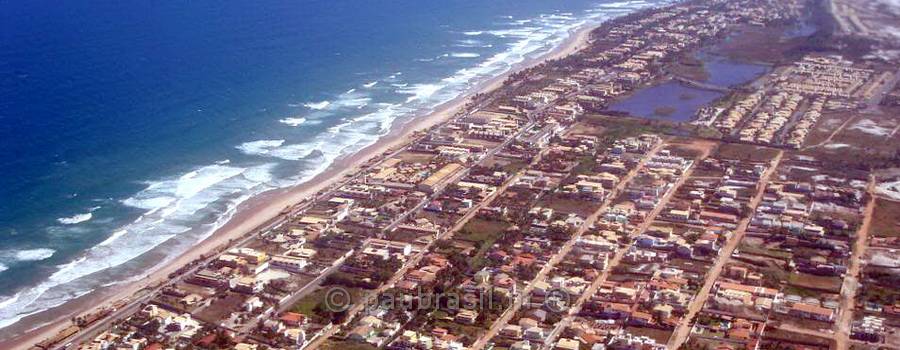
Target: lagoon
677,102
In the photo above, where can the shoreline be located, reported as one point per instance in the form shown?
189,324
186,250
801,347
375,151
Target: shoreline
260,209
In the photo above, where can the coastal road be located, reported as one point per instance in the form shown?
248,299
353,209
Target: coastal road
91,331
681,333
132,306
542,274
286,303
620,254
414,261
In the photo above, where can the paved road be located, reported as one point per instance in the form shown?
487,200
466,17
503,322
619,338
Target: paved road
681,333
132,306
542,274
592,289
88,333
414,261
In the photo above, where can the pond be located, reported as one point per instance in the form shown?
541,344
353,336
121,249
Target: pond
671,100
678,102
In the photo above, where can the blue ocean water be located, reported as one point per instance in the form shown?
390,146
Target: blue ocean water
131,130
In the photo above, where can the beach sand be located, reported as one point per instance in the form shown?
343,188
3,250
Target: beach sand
259,210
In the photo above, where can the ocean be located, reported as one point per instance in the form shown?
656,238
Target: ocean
132,130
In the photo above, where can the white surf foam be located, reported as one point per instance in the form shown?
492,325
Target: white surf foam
464,55
277,149
472,43
260,147
3,268
420,92
34,254
352,101
78,218
293,121
112,238
172,206
75,219
370,85
317,105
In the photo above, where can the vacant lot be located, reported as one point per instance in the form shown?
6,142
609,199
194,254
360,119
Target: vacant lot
813,282
886,219
742,152
481,230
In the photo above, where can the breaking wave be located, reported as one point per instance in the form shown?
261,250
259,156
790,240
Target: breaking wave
464,55
293,121
34,254
181,210
75,219
317,105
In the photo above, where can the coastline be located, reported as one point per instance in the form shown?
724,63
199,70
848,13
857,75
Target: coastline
260,209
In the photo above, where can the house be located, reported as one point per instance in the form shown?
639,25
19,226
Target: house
253,303
466,317
292,319
567,344
512,331
811,312
245,346
640,319
246,284
289,263
615,311
535,333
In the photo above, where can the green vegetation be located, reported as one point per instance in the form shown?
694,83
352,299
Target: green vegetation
664,111
514,166
771,253
622,127
660,335
481,230
874,293
585,165
689,66
742,152
815,283
331,344
313,305
483,233
885,219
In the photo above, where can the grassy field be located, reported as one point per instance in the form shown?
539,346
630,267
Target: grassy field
220,309
774,335
309,304
332,344
661,336
569,206
483,233
742,152
756,250
480,230
813,282
886,219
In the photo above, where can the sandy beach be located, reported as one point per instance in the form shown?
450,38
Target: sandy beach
259,210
